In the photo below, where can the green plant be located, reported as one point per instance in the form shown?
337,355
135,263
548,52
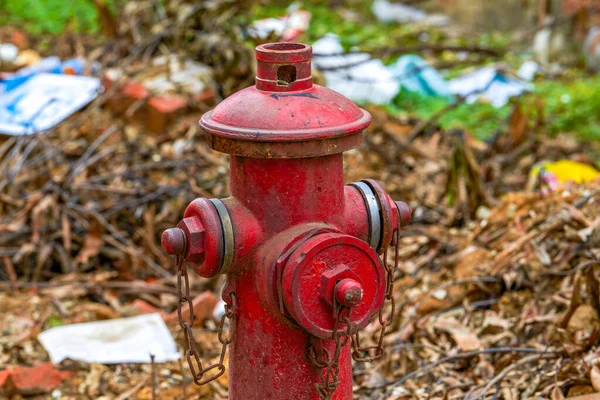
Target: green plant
570,106
50,16
480,119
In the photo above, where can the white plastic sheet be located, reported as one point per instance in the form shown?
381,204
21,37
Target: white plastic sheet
43,101
402,13
354,75
115,341
489,84
288,27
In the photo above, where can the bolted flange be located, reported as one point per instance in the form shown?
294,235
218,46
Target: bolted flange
204,237
384,215
339,259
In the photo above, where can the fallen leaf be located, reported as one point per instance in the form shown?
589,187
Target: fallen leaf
557,394
584,318
595,378
466,339
91,245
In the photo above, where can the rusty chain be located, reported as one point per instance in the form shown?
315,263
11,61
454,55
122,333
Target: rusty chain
322,358
375,352
191,353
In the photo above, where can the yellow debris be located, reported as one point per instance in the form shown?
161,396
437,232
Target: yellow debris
567,170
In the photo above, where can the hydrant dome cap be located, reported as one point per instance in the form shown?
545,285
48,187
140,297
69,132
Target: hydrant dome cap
260,116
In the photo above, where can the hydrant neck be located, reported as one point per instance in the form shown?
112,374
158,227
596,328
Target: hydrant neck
283,67
289,191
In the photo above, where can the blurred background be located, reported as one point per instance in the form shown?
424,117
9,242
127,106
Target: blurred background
486,120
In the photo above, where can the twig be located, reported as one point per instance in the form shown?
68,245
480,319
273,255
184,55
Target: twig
405,145
460,356
153,364
121,241
82,162
10,271
583,201
183,379
422,47
129,393
498,378
423,124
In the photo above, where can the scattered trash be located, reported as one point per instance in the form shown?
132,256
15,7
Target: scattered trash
528,70
415,75
402,13
184,75
122,340
549,43
552,174
397,12
489,84
44,100
8,53
162,93
40,379
28,58
591,50
287,28
354,75
51,65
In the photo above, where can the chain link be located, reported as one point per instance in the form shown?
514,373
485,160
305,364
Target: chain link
322,358
191,353
375,352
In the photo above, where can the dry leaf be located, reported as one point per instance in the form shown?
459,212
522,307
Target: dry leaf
584,318
517,126
557,394
91,245
462,335
595,378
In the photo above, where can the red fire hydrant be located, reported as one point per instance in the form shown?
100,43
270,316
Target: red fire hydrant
300,249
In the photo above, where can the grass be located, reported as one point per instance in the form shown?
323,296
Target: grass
572,106
568,107
50,16
480,119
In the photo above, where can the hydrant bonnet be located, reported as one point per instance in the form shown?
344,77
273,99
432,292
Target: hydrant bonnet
285,115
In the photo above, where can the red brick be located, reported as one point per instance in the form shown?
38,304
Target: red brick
163,110
42,378
204,305
158,112
135,91
20,40
207,97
